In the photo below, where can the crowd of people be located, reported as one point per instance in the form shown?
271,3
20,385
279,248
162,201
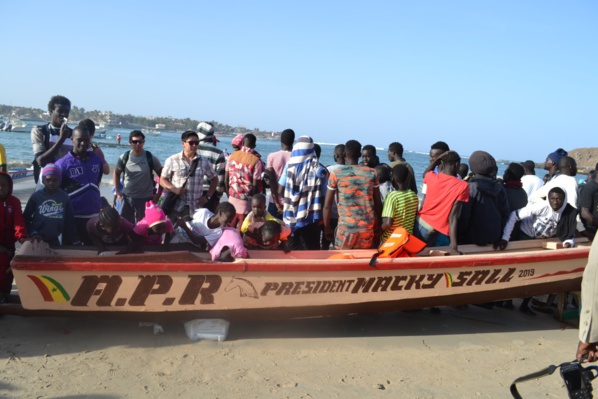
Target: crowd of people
354,204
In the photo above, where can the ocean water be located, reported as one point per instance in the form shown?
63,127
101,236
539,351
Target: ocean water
19,151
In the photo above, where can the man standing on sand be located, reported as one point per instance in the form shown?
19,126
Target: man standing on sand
208,150
359,207
53,140
275,164
81,176
395,156
138,166
588,328
530,181
178,177
243,177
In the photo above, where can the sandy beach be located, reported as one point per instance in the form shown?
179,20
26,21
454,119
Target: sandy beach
473,353
470,353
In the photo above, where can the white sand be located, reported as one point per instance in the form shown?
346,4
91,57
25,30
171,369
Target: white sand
472,353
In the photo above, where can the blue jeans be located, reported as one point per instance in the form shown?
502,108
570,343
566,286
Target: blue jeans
432,237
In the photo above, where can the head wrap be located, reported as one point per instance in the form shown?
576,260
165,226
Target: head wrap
237,141
482,163
52,169
205,132
557,155
303,201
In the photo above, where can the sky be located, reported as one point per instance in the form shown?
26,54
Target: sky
515,78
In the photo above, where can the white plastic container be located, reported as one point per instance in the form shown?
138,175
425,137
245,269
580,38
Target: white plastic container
213,329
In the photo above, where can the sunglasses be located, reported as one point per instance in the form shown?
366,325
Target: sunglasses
192,142
137,141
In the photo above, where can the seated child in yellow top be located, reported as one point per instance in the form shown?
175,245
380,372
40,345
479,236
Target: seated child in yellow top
256,218
400,205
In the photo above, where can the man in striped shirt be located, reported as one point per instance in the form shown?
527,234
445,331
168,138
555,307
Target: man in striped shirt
208,150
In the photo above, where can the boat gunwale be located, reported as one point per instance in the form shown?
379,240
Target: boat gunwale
304,264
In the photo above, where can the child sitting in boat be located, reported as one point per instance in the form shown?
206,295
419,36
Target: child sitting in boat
210,231
109,228
229,246
267,236
206,228
13,230
400,206
252,235
154,225
49,212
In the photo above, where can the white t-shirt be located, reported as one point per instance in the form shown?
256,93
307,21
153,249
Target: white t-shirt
199,225
531,183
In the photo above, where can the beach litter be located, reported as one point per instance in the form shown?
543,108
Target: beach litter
212,329
158,329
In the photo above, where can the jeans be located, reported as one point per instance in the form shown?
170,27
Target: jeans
432,237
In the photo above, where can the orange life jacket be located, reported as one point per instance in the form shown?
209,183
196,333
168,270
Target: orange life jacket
400,244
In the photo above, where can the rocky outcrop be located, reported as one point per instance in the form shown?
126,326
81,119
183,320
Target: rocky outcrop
586,158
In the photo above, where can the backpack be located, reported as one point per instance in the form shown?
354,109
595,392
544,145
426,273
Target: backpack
150,163
46,134
400,244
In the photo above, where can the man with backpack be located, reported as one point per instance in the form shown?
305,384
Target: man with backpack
137,166
52,141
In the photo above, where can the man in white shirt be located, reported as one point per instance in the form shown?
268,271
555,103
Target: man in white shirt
530,181
567,169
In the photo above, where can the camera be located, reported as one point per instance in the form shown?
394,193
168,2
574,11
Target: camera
578,380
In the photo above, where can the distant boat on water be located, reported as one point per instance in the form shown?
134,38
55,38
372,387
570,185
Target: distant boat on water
100,134
19,126
22,127
150,132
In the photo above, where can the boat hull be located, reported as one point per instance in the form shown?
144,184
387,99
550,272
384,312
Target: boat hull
274,285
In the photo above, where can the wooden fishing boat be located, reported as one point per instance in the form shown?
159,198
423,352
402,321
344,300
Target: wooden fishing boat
271,284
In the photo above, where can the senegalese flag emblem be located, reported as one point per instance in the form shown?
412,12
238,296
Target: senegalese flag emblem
449,280
50,289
